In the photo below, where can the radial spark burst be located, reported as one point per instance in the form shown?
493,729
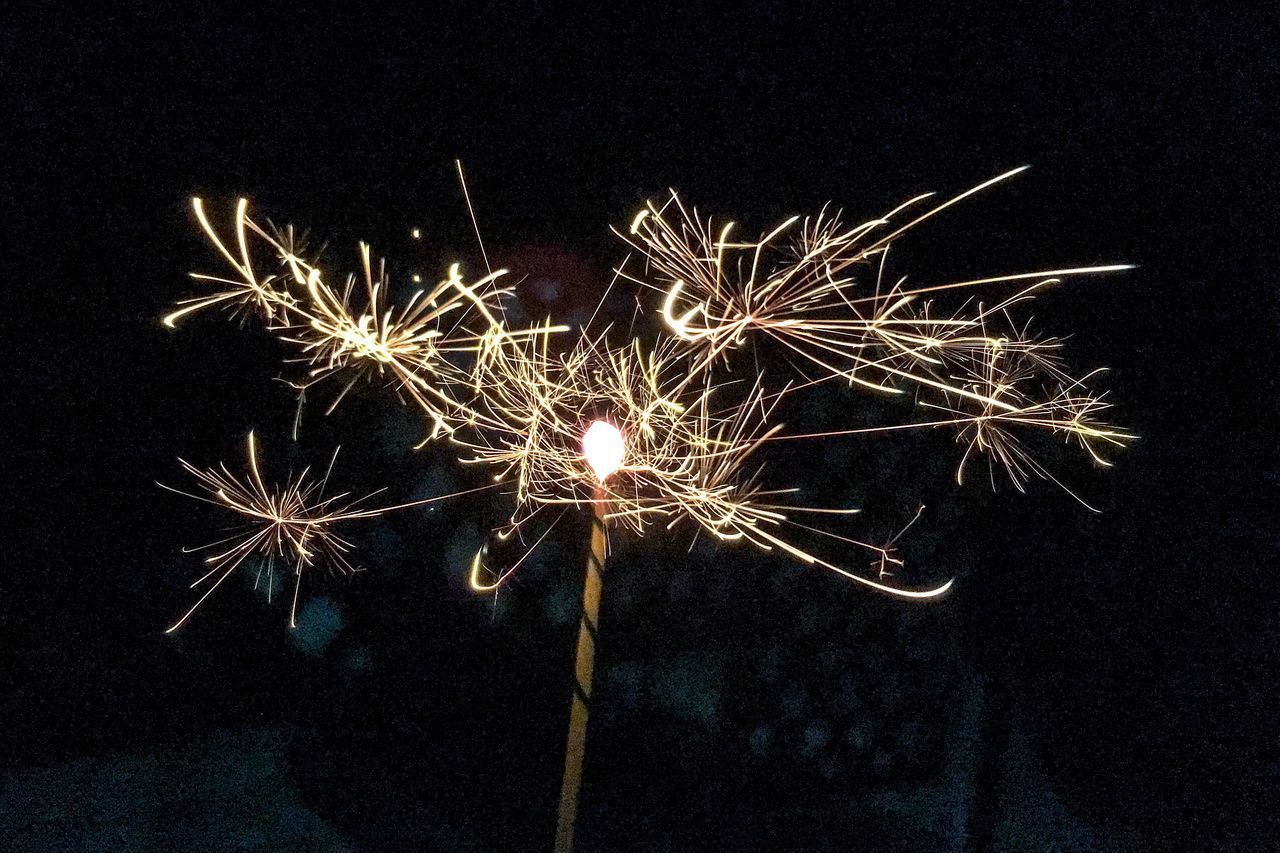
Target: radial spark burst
417,347
689,444
815,288
293,523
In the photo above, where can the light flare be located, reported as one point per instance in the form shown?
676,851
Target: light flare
604,449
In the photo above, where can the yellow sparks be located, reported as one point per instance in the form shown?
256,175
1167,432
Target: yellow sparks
684,458
813,287
411,346
293,523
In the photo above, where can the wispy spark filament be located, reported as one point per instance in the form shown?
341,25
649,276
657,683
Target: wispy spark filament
808,298
294,522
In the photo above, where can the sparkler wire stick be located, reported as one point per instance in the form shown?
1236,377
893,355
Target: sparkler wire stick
588,628
604,449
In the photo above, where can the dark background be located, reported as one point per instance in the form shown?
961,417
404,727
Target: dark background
1093,682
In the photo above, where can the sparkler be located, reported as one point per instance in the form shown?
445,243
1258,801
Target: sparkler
658,433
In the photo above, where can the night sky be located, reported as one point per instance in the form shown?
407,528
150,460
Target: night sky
1093,681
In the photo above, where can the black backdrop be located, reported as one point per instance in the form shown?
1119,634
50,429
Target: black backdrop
1136,647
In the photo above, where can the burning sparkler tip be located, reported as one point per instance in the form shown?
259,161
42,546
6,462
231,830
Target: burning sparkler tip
604,449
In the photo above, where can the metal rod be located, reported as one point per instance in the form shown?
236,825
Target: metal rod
583,669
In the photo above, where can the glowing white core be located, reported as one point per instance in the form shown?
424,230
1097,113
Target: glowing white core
602,445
